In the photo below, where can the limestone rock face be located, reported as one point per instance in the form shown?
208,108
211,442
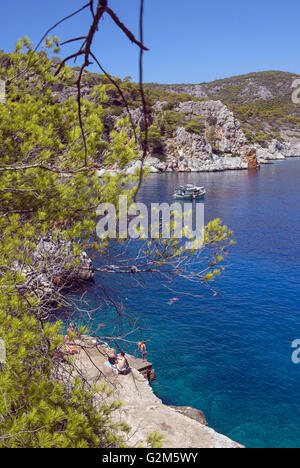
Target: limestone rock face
194,90
137,117
293,150
60,253
282,150
251,158
277,150
187,145
191,152
191,413
132,168
52,267
229,136
155,165
263,155
223,144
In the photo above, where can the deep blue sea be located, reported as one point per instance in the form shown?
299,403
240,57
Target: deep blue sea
230,355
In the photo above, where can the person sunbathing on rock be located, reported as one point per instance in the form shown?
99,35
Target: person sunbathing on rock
112,357
122,364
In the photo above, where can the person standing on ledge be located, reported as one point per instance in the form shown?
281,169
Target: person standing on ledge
144,351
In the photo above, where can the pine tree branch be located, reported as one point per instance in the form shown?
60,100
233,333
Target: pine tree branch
40,166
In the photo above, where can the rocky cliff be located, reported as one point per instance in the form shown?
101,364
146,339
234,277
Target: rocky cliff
181,427
261,102
235,123
220,145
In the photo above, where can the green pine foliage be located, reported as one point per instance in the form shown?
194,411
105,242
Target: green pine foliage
37,410
46,187
155,140
196,125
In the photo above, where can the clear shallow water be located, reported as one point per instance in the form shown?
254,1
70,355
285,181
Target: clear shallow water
230,355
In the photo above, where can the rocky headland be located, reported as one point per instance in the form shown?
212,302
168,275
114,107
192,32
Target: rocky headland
142,410
222,145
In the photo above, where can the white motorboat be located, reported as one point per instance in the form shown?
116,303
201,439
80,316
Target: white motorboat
189,192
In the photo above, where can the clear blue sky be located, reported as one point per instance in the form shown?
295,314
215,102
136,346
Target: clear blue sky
191,41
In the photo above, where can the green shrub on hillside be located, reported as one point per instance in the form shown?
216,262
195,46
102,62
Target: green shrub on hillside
211,136
169,121
155,141
196,125
41,141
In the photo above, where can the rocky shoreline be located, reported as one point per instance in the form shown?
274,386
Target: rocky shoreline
255,157
221,146
181,427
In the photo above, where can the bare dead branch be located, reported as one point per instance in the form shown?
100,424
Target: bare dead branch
125,30
73,56
60,22
40,166
80,115
73,40
110,78
144,103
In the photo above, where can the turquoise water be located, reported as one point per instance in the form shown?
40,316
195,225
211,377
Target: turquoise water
230,355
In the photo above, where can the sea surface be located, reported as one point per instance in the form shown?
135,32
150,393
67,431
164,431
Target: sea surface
230,355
